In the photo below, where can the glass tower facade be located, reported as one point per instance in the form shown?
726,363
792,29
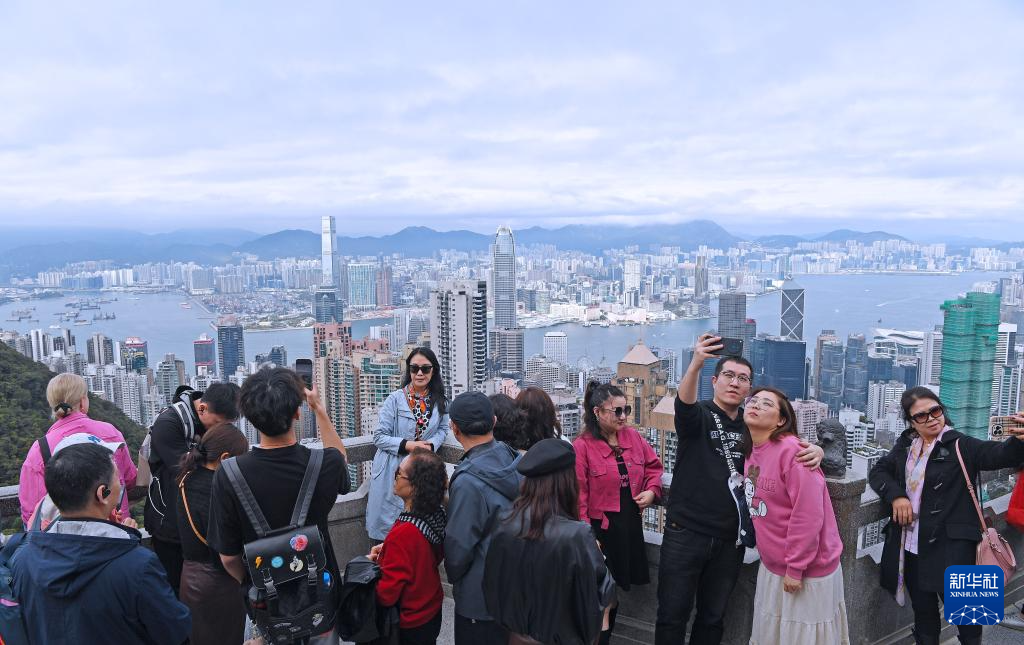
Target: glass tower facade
970,333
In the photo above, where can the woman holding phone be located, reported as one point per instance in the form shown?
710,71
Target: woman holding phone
414,416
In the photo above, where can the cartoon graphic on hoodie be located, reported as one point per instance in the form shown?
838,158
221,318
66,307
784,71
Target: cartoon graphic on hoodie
756,505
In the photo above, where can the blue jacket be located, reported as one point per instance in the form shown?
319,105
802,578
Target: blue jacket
396,423
91,581
484,484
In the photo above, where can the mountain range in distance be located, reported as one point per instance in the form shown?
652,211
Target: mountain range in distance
28,252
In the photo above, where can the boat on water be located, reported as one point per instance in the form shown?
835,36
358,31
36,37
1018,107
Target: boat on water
104,317
185,305
81,322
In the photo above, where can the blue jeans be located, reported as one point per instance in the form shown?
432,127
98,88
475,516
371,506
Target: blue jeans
694,565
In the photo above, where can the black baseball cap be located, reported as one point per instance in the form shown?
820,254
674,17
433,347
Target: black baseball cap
470,408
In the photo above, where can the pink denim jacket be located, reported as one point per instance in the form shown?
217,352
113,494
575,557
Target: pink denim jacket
598,473
31,486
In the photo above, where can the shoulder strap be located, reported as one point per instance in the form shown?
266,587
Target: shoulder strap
185,416
188,512
246,498
970,488
316,459
44,449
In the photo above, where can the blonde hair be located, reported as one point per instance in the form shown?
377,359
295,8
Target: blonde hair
65,393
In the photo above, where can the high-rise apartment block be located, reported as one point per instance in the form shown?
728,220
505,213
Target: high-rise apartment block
809,414
970,333
1006,373
100,350
135,354
882,396
169,376
556,346
458,334
641,377
507,349
230,347
792,317
931,358
362,285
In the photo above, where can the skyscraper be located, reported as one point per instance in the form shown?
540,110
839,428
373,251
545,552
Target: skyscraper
855,377
1006,356
931,357
328,302
507,350
970,333
230,346
700,279
458,334
644,382
278,355
781,363
100,350
135,354
825,336
169,376
503,279
205,352
829,389
556,346
733,321
792,311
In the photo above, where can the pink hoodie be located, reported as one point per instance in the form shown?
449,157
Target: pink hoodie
795,526
31,485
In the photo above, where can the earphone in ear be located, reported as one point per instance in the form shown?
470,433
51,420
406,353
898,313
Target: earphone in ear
106,492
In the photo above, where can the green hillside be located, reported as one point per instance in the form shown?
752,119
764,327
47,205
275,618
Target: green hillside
25,415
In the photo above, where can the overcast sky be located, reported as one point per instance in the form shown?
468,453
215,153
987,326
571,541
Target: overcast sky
765,116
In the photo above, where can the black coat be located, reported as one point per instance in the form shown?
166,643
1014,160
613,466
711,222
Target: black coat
949,530
554,589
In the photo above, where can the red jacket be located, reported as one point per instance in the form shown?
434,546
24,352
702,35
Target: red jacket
409,575
598,473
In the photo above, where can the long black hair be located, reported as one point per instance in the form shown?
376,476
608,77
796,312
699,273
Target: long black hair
596,394
436,385
544,497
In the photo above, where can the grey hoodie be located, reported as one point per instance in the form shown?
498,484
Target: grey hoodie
484,484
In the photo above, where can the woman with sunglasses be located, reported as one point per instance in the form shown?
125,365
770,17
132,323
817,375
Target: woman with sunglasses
934,523
799,595
619,476
414,416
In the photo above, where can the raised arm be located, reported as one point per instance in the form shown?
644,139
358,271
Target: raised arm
702,351
328,435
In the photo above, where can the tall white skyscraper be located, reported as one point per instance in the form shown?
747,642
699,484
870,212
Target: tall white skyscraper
931,358
881,396
458,334
556,346
328,303
1006,373
503,280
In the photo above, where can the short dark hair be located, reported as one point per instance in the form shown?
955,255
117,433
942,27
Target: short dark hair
720,365
222,399
429,479
270,398
73,474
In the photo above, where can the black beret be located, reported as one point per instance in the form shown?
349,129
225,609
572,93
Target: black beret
547,456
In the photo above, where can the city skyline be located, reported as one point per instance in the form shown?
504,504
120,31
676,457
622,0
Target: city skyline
762,117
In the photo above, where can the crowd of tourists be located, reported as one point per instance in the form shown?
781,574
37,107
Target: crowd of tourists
539,537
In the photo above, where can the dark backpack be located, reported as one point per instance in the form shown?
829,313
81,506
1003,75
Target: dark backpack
360,619
12,621
292,595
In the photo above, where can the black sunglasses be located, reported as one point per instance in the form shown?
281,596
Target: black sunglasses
931,413
416,369
620,411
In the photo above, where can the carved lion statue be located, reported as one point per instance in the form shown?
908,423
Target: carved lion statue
832,439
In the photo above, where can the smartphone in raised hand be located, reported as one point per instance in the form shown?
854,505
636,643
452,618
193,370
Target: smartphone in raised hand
304,368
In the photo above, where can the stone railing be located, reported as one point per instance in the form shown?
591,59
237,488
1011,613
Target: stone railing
873,614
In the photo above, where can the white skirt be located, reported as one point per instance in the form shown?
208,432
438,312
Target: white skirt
815,615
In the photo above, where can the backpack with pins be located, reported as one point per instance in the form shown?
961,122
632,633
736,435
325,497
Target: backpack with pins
292,595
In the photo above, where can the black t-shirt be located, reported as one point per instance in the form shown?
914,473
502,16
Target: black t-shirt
275,475
198,487
700,499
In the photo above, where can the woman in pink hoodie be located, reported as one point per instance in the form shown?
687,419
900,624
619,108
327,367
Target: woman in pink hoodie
799,598
68,396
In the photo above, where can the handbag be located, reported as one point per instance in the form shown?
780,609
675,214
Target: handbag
993,548
745,535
